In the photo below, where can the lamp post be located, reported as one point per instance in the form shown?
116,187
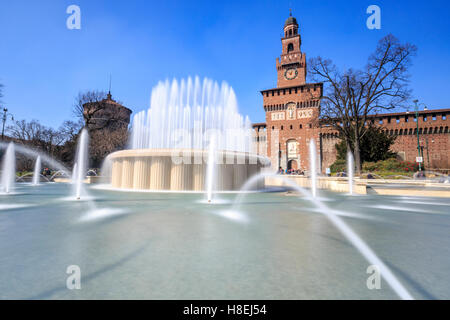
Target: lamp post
6,114
416,108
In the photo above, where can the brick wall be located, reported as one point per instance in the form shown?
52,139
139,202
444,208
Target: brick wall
434,137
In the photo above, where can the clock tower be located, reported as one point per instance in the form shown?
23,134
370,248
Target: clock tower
291,65
292,108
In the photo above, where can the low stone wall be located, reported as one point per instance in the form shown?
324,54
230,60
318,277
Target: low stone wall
411,188
62,180
424,188
417,192
330,183
88,180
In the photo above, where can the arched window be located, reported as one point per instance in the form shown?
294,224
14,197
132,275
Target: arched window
290,47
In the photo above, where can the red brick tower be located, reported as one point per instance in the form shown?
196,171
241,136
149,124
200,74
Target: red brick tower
291,66
292,108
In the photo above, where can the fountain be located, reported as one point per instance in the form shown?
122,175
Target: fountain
58,173
37,171
350,170
184,114
210,169
33,154
74,173
169,142
313,161
9,169
80,166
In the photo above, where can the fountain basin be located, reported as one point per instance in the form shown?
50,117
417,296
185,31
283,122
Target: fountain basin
182,169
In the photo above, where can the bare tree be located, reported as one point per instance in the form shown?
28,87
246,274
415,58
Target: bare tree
94,101
70,129
351,96
96,112
38,136
51,140
26,131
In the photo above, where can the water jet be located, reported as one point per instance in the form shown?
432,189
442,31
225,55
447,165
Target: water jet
37,171
350,171
9,169
80,166
312,164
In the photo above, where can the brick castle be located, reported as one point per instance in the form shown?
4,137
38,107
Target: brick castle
292,119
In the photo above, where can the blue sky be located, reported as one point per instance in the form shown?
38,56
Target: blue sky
43,65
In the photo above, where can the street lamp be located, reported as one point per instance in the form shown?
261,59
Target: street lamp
6,114
416,108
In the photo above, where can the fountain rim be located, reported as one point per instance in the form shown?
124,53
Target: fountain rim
130,153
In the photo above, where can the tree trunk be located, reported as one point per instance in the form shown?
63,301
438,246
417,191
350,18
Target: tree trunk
357,153
348,142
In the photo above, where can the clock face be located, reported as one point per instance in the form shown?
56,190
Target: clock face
290,73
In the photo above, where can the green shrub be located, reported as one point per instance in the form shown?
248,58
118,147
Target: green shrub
390,165
374,145
370,166
338,166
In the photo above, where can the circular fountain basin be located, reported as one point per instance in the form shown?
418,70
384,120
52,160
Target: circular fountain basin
182,169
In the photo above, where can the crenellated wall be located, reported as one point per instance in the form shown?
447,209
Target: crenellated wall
434,137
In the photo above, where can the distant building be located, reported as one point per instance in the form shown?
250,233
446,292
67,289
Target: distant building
292,119
106,114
